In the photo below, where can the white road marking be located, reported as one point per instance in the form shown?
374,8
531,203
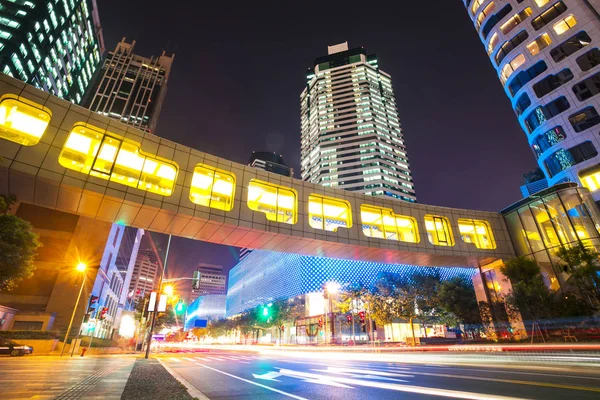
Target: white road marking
215,358
202,359
293,396
174,359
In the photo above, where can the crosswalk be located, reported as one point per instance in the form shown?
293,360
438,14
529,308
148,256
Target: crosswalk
210,358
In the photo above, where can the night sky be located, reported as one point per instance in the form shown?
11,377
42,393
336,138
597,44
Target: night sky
240,67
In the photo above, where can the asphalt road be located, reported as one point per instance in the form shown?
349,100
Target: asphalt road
247,375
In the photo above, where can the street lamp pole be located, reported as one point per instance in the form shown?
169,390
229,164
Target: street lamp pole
81,268
162,277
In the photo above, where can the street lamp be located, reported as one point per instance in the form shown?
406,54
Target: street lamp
81,267
168,290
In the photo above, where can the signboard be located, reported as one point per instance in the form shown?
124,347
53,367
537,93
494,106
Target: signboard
162,303
152,302
200,323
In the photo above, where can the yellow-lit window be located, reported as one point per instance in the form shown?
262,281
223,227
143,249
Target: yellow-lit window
279,203
212,187
477,232
438,229
591,180
541,3
328,214
476,4
484,13
22,121
492,43
382,223
90,150
564,25
540,43
515,20
510,67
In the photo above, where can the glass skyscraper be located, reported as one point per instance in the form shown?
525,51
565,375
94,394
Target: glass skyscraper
546,56
54,45
351,135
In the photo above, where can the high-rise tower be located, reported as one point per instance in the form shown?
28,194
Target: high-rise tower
547,57
351,134
131,88
54,46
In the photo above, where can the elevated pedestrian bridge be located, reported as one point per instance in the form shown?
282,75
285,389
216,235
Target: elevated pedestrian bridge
63,157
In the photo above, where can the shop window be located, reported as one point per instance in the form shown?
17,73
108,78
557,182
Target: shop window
544,113
524,77
589,60
509,45
570,46
278,203
515,20
438,230
584,119
494,19
539,44
547,16
379,222
212,187
552,82
564,24
22,121
92,151
328,214
511,67
587,88
477,232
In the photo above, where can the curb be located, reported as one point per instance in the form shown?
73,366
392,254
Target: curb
191,389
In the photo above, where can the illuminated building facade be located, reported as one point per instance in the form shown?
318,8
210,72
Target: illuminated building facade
210,306
53,45
146,274
131,88
264,276
546,55
350,130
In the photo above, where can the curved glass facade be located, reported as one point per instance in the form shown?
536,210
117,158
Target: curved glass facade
539,225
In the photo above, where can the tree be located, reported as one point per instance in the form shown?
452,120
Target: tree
584,266
18,246
457,297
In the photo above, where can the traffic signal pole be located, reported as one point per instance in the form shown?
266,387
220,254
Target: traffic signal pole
82,320
162,277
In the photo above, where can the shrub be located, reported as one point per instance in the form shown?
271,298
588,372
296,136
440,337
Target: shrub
32,335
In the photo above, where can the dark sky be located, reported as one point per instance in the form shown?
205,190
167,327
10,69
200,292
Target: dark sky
240,67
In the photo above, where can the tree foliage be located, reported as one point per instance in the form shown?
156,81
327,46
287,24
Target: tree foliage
583,264
18,247
456,296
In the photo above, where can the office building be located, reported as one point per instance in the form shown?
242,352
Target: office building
125,263
146,274
208,279
54,46
131,88
350,130
546,56
205,307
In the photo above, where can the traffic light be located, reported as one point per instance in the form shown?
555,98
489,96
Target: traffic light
320,322
361,315
180,307
103,312
93,303
349,318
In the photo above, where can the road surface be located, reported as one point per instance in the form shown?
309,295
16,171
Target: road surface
238,375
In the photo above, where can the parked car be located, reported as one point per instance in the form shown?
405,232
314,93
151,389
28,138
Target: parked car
14,349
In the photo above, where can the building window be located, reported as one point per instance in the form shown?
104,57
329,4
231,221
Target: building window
589,60
522,103
476,4
524,77
379,222
564,25
477,232
438,230
212,187
508,46
541,3
570,46
511,67
548,139
544,18
540,43
584,119
328,214
22,121
278,203
564,159
494,19
552,82
90,150
515,20
492,44
485,13
544,113
587,88
590,178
